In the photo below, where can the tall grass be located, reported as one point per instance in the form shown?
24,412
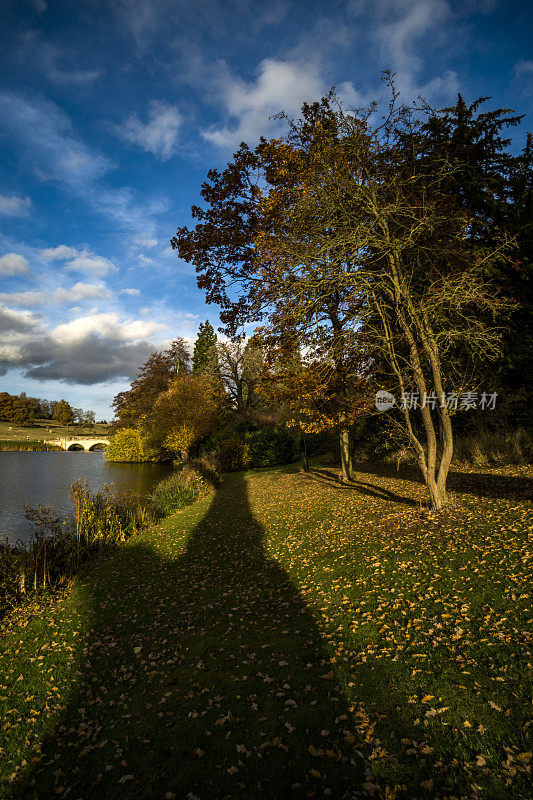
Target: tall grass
498,449
16,445
58,547
179,490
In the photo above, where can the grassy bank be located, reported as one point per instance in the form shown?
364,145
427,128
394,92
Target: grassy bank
289,637
13,445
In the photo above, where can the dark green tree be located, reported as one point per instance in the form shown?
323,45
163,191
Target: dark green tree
495,187
204,357
63,413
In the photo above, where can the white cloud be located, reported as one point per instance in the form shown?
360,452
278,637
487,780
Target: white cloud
80,260
400,28
73,294
274,14
79,77
59,253
108,326
145,240
50,147
88,262
46,132
130,292
13,320
14,206
159,135
13,264
80,291
280,85
145,261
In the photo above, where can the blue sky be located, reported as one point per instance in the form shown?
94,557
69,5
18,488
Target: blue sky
111,113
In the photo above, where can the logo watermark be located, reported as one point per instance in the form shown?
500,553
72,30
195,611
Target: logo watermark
453,401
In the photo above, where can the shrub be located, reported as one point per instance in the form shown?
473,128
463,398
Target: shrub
129,444
208,468
232,454
270,446
494,448
179,490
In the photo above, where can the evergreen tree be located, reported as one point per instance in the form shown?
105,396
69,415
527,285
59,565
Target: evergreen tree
205,349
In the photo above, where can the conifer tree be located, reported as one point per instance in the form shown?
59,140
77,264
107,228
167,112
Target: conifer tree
205,353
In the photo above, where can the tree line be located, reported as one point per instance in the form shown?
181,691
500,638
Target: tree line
211,398
24,411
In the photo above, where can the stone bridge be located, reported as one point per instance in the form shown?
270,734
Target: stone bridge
80,442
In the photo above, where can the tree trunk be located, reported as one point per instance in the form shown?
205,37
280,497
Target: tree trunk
303,453
344,443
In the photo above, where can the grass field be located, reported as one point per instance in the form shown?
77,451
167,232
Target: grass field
44,430
288,638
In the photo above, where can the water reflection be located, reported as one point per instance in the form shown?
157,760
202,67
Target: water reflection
27,477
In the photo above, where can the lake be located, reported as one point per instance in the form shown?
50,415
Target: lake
27,477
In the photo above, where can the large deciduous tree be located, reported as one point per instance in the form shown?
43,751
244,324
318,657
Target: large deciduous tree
185,413
153,378
63,413
239,276
241,365
367,214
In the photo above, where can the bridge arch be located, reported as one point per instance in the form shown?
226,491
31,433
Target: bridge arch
75,446
97,446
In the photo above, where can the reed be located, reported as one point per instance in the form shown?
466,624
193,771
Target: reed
58,547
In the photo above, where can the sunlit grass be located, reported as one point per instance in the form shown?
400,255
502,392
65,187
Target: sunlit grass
291,637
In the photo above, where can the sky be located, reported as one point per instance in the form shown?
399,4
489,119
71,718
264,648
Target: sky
113,111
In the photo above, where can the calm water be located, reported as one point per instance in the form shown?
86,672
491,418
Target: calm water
46,477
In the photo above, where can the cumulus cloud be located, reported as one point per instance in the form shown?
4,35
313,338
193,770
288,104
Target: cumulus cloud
279,85
59,253
93,359
88,262
159,135
13,320
89,349
14,206
13,264
108,325
79,260
73,294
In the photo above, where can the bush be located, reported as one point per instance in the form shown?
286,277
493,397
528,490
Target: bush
270,446
208,468
129,444
232,454
179,490
497,449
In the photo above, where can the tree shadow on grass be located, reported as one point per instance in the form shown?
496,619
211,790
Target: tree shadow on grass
362,487
488,484
204,673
